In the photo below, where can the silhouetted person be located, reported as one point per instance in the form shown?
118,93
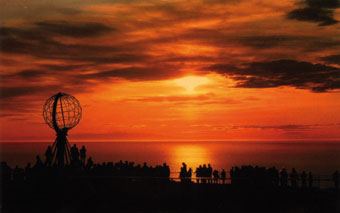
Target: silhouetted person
274,176
38,163
303,179
198,173
284,177
336,179
310,180
75,153
223,176
48,155
232,175
5,172
204,173
294,178
89,163
166,170
189,174
209,173
82,155
216,176
183,173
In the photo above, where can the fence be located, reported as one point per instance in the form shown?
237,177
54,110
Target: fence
319,181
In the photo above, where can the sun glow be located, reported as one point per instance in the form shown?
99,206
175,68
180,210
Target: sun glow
192,155
190,83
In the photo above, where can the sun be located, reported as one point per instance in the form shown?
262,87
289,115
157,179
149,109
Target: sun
191,82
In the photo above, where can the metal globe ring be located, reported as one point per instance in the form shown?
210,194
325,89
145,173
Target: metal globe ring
62,112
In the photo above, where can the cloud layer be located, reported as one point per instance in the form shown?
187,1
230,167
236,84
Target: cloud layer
301,75
129,52
318,11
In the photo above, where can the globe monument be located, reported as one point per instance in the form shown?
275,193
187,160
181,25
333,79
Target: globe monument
61,112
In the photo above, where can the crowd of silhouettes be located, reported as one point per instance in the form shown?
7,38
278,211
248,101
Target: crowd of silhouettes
80,165
128,169
273,177
249,175
204,173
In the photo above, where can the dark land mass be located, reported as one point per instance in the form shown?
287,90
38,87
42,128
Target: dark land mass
118,194
86,187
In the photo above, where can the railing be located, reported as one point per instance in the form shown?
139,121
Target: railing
319,181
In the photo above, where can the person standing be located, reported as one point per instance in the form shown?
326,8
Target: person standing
83,155
209,173
216,176
284,177
303,179
48,155
294,177
75,154
223,176
310,180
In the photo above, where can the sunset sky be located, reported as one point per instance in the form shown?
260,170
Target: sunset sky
173,70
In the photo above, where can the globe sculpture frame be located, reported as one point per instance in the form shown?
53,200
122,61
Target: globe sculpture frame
61,112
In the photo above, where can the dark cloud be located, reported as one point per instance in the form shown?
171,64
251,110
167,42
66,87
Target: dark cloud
75,30
19,41
225,39
318,11
332,59
301,75
64,67
47,29
44,45
267,41
7,114
10,92
68,11
307,43
222,1
289,127
136,73
331,4
30,73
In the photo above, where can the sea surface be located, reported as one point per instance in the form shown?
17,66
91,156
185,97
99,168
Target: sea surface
322,158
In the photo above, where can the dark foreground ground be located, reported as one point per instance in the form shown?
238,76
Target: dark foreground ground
123,195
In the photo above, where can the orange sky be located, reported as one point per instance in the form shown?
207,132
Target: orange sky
173,70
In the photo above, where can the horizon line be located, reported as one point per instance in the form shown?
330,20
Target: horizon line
172,140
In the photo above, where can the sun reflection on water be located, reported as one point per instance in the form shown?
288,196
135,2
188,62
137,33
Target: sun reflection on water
192,155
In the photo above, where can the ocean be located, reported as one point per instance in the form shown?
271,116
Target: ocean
322,158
